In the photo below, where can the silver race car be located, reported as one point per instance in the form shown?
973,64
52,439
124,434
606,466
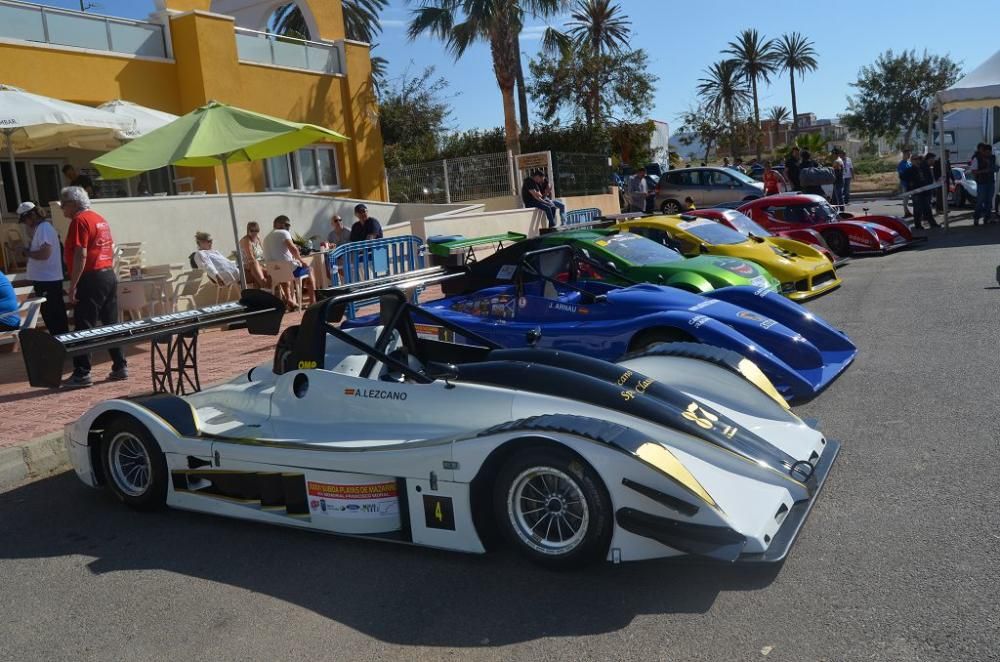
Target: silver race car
382,433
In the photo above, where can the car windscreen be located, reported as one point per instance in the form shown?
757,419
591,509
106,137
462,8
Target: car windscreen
741,177
637,250
746,225
712,232
816,212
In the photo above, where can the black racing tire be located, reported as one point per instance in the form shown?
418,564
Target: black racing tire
649,337
670,207
572,497
838,242
134,466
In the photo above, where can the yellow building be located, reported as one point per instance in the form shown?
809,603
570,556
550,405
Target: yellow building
193,51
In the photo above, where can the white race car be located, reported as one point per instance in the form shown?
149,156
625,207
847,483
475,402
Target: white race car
382,433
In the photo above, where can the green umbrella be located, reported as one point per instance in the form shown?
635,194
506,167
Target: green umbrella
213,135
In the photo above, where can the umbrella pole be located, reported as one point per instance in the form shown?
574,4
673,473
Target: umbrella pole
13,166
236,231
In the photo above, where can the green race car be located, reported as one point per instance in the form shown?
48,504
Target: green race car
636,258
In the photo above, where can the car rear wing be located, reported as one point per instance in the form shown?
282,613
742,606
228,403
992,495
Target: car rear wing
334,300
45,354
456,250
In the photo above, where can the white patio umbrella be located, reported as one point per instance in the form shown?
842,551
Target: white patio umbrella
146,119
31,122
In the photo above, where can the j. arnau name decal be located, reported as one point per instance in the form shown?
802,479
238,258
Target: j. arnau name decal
375,394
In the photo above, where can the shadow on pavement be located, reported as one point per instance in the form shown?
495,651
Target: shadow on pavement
395,593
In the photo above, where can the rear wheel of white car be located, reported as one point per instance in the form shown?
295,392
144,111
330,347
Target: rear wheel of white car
134,466
553,508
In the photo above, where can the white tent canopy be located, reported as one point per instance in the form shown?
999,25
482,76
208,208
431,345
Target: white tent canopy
31,122
980,88
146,119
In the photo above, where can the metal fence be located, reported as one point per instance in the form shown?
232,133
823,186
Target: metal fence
452,180
581,174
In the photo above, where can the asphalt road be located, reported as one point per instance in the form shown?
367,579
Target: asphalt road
898,560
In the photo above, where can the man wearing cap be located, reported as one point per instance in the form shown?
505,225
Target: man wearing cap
93,286
366,227
45,266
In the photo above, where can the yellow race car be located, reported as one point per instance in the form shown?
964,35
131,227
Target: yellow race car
804,272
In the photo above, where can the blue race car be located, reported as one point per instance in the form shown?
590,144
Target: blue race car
542,301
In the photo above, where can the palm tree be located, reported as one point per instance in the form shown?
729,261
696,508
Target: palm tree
795,55
755,57
361,23
724,91
776,117
460,23
595,28
599,25
361,20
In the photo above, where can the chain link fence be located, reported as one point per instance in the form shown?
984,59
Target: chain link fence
581,174
489,176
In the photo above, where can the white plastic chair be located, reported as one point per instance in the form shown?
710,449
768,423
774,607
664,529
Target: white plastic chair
132,299
281,272
29,311
184,288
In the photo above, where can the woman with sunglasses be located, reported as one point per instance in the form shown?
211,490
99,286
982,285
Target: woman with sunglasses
252,253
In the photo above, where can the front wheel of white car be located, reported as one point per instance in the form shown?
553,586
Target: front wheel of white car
553,508
134,466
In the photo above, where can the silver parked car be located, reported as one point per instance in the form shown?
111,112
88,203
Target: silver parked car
706,186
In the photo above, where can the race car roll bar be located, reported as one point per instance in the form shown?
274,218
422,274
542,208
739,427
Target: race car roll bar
45,354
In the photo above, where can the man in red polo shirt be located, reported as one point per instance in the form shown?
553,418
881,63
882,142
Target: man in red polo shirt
93,286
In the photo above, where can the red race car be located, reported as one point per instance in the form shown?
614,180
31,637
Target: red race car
747,227
844,233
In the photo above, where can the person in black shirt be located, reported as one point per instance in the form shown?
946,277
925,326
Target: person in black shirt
366,227
76,179
533,195
919,175
792,165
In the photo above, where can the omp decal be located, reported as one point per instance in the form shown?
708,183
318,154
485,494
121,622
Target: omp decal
307,365
375,394
439,512
658,456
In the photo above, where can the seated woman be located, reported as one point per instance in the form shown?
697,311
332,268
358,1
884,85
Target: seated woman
252,254
220,269
9,319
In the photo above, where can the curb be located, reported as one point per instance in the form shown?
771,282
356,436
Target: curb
35,459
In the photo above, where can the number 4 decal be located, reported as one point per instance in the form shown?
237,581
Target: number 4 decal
439,512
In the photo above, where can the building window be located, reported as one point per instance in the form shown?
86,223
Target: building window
310,169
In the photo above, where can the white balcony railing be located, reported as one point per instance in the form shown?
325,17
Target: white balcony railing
267,48
48,25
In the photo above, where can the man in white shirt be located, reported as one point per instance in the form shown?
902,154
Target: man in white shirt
45,267
279,247
220,269
848,176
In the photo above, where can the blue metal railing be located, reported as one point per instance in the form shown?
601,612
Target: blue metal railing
581,216
363,260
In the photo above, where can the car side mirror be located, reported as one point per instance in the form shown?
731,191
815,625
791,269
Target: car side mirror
703,248
612,265
445,371
532,337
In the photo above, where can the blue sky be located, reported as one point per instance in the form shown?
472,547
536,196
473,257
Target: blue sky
685,38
